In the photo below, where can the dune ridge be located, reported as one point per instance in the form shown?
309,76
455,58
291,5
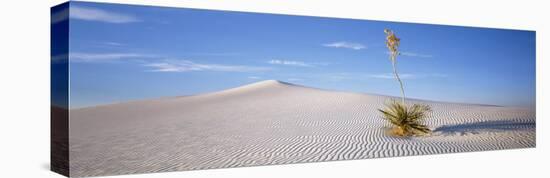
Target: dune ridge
274,122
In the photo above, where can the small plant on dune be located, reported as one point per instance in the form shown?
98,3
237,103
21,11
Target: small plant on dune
406,120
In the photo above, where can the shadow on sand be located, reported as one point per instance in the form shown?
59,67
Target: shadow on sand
487,126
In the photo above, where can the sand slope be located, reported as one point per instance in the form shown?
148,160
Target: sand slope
271,122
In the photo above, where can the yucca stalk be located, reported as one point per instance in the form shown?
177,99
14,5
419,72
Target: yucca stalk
407,121
392,42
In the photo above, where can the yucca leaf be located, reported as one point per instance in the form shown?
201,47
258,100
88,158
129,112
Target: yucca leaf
408,119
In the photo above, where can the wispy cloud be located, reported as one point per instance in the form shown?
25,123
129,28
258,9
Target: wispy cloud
254,77
99,15
412,54
344,44
416,55
290,63
389,76
110,43
214,54
188,66
102,57
294,79
406,76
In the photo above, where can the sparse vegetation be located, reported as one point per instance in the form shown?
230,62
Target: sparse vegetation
406,121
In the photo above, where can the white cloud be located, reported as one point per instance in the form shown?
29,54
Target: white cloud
99,15
415,55
290,63
110,43
391,76
187,66
411,54
294,79
254,77
406,76
102,57
344,44
388,76
215,54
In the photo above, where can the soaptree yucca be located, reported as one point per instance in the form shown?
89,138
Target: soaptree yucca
406,120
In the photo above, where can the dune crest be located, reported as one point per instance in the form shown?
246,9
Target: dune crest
273,122
262,85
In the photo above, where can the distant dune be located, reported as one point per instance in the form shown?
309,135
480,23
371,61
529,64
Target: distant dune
272,122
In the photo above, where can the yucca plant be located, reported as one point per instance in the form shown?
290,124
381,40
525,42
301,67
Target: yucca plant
406,121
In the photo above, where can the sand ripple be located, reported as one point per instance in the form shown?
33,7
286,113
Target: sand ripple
274,123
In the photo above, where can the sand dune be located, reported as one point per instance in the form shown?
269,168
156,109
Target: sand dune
271,122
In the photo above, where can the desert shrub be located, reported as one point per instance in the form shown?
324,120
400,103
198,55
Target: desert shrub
406,120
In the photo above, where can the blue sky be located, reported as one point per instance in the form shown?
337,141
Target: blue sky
120,53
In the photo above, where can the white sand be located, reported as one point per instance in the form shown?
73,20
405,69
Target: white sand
274,123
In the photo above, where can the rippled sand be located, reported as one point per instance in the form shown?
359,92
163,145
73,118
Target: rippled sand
272,122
